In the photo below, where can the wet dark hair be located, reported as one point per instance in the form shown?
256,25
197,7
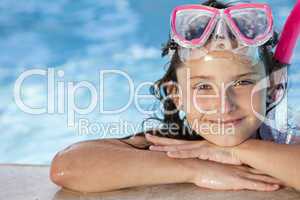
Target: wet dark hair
160,92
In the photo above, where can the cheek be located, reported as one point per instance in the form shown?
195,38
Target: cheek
203,102
249,102
255,111
194,114
196,104
246,101
258,103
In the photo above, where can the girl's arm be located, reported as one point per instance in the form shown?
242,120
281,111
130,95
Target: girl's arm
281,161
277,160
110,164
103,165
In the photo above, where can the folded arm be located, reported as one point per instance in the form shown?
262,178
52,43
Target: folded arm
110,164
103,165
281,161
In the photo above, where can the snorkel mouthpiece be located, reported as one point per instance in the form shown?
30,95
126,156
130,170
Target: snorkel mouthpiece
289,36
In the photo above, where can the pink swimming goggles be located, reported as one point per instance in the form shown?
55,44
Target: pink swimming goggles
249,25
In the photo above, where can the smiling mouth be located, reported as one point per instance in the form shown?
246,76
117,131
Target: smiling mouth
227,122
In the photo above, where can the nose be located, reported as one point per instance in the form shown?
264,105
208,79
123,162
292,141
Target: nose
221,39
227,102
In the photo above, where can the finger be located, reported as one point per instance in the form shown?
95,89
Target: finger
157,148
203,154
178,147
247,169
263,178
187,146
255,171
224,156
163,141
195,153
258,185
162,148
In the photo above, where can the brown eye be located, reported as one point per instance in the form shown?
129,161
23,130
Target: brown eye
204,86
243,83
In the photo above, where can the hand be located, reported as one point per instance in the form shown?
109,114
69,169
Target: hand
194,149
218,176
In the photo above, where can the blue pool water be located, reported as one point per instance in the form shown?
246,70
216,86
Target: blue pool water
81,38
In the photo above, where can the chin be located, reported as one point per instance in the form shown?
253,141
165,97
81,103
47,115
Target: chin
242,132
226,140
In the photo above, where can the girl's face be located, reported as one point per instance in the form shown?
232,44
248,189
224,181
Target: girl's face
217,92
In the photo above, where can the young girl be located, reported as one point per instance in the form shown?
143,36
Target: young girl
214,95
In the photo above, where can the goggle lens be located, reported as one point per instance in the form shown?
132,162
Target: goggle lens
191,24
252,23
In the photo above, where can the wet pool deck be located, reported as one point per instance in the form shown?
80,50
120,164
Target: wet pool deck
26,182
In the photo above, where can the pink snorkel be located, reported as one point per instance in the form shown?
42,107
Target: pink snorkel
283,54
289,36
